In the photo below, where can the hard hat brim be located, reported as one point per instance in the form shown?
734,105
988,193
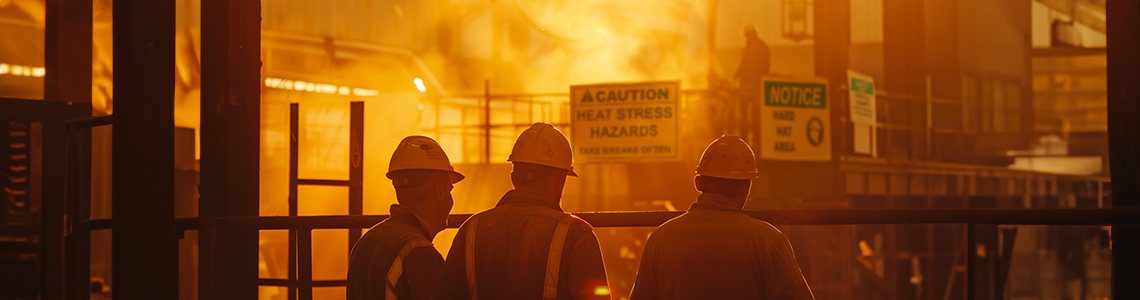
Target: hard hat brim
451,174
455,176
744,176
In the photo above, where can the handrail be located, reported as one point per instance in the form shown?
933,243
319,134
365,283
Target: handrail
854,216
91,122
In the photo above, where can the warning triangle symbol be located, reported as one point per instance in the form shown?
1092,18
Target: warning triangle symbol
587,98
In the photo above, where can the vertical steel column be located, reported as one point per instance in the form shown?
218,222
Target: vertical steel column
231,116
67,58
305,262
1124,140
486,121
144,241
971,256
78,239
294,114
67,47
355,168
710,34
54,209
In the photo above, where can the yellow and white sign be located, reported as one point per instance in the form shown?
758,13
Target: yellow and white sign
795,120
621,122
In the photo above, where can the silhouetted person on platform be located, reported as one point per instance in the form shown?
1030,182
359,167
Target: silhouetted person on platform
714,250
754,64
396,258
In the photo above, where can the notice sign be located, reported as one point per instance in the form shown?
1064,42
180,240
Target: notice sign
862,96
795,120
631,121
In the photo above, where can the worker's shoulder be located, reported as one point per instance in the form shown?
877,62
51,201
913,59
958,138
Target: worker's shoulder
763,228
581,224
394,234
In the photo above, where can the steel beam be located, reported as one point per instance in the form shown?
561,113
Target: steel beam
144,241
1123,23
231,116
67,60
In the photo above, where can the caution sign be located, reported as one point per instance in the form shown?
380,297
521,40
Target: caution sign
795,120
631,121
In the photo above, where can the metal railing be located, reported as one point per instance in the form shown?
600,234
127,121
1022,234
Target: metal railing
301,263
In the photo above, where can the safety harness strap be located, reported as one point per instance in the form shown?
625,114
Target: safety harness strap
552,264
469,255
397,268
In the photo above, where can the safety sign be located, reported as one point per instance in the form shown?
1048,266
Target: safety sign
862,97
795,120
624,121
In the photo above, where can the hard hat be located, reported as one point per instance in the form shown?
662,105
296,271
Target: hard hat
543,144
749,28
728,157
419,152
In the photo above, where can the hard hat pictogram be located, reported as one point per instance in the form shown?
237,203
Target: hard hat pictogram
544,144
419,152
815,131
728,157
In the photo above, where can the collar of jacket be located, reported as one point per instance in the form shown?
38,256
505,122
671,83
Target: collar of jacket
408,217
521,196
714,201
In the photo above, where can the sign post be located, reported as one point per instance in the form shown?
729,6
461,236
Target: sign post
795,120
625,122
862,95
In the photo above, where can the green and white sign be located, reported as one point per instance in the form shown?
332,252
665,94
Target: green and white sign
862,97
625,121
795,120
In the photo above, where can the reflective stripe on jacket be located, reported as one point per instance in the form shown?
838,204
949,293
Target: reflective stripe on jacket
715,251
394,260
513,245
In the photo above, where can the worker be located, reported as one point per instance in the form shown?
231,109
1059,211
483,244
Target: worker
527,247
754,65
396,259
715,250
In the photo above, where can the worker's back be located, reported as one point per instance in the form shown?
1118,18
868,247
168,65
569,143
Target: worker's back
715,251
374,256
512,249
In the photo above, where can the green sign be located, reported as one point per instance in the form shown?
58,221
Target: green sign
862,86
795,94
795,121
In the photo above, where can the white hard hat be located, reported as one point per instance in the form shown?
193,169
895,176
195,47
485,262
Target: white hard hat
543,144
728,157
419,152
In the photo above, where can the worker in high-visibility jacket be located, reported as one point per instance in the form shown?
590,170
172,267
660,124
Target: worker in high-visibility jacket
527,247
396,259
714,250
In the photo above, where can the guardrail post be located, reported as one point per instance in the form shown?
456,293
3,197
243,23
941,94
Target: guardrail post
971,255
294,114
356,169
305,262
